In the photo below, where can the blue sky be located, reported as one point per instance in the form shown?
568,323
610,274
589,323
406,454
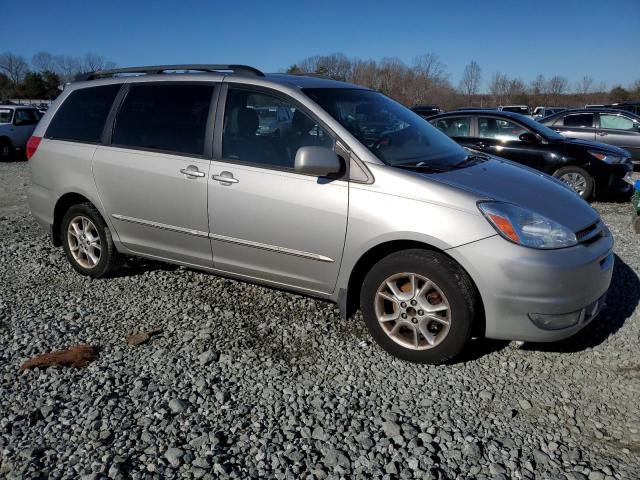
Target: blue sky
521,38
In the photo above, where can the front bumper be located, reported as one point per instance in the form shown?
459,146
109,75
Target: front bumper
610,178
515,282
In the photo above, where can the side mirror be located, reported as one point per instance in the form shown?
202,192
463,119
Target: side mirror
317,161
528,137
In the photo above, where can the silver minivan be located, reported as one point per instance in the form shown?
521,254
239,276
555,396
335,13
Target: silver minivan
359,201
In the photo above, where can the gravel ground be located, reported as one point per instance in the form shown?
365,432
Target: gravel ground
248,382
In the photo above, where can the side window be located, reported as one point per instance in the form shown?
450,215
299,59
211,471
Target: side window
579,120
168,117
6,115
499,129
253,134
454,127
617,122
25,117
82,115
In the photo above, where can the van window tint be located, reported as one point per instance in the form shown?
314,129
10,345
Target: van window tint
579,120
82,115
258,129
165,117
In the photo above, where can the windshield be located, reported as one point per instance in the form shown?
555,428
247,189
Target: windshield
5,115
393,133
537,127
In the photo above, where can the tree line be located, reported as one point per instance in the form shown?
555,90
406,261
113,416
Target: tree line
426,80
41,77
423,81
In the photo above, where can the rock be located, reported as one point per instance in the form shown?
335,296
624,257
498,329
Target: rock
178,406
391,429
524,404
208,357
174,456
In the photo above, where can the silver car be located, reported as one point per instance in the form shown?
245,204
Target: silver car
606,125
362,203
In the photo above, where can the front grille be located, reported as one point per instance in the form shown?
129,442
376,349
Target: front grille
591,233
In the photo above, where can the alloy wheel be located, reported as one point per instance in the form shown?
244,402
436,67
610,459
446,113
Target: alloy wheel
84,242
413,311
576,181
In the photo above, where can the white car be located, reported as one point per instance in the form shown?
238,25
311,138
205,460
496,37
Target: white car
16,126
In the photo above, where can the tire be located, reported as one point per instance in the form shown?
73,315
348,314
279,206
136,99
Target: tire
452,288
5,150
574,177
96,255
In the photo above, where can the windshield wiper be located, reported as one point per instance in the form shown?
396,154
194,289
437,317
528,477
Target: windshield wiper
422,166
470,159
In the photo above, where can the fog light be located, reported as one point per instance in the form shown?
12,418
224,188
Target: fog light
556,322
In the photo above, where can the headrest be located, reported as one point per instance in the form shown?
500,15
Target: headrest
247,122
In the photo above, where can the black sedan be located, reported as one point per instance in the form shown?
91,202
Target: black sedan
587,167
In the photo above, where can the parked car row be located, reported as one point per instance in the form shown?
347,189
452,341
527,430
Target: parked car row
362,202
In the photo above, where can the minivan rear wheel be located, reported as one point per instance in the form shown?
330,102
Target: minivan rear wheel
87,242
419,306
578,179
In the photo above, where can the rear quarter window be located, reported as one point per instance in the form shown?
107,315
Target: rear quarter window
82,115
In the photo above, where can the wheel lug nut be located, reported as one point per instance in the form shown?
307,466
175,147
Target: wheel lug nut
420,312
414,303
404,315
403,305
414,320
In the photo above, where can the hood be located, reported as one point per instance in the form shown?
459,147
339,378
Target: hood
502,180
602,147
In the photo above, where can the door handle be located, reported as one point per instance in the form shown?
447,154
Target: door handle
480,144
602,134
192,171
225,178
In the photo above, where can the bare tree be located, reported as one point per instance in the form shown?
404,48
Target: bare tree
538,86
14,66
471,79
67,66
44,62
583,87
429,66
92,62
499,87
557,85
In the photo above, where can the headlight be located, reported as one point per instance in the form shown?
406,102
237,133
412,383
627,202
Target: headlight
526,228
605,157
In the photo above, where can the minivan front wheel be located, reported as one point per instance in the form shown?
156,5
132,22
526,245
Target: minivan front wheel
419,306
87,241
578,179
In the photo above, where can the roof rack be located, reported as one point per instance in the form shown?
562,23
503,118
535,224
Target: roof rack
157,69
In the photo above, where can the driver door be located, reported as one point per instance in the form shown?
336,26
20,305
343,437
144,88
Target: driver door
267,221
500,136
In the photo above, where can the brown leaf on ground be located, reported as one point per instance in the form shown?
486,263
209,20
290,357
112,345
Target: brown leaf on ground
78,356
142,337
